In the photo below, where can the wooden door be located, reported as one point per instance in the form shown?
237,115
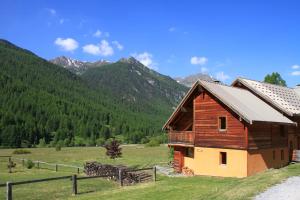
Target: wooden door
178,161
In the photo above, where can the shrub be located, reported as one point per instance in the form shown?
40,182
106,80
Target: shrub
79,142
11,165
100,141
145,140
153,143
113,149
25,144
29,164
21,151
42,143
58,147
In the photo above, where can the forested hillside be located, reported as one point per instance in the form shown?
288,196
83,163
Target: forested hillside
40,100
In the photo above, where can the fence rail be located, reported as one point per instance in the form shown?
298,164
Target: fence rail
56,165
9,185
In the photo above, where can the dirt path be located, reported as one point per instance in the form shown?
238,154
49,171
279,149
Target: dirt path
287,190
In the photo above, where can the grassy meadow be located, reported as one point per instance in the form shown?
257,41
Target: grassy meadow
198,187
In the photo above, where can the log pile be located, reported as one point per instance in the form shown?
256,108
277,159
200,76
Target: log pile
188,172
131,178
98,169
112,172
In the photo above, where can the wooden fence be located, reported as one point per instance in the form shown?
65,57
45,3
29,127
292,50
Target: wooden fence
9,185
55,166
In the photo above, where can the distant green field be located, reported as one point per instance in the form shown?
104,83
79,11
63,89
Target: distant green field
198,187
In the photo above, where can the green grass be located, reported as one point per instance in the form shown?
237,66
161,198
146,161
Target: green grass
198,187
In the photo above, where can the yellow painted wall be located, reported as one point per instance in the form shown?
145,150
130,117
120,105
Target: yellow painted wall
262,159
206,161
240,163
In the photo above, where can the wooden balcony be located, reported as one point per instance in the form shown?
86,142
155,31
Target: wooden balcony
181,138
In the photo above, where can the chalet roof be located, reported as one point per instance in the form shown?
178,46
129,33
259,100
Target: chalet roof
283,98
245,104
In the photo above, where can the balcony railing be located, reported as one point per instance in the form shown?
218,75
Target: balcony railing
181,137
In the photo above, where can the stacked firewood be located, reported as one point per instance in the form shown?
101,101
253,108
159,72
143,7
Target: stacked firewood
112,172
131,178
98,169
188,172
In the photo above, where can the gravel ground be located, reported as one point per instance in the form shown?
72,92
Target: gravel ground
168,171
287,190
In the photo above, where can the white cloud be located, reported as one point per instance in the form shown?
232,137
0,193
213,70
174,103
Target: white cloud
295,67
61,21
67,44
52,11
295,73
172,29
146,59
222,76
118,45
98,33
198,60
103,49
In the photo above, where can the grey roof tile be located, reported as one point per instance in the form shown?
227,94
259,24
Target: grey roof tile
284,98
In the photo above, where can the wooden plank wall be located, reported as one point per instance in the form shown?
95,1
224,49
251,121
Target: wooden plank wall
267,135
207,111
184,119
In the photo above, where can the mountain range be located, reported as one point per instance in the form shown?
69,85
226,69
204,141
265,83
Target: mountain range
76,66
71,102
191,79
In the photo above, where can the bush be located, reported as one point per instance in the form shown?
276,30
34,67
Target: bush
113,149
79,142
21,151
42,143
100,142
145,140
58,147
25,144
29,164
11,165
153,143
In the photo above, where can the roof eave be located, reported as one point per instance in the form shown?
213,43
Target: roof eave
185,98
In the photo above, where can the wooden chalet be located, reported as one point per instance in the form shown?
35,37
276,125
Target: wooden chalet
234,131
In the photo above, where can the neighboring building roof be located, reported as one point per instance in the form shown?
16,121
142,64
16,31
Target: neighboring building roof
285,99
297,90
245,104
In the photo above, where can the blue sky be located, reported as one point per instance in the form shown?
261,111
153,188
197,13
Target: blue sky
225,39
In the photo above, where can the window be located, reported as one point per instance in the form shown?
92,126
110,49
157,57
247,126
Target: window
223,158
282,131
274,155
282,155
222,124
189,152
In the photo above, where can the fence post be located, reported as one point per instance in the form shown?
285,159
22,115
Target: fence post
78,170
74,183
38,164
8,191
154,173
23,162
120,177
56,167
9,165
